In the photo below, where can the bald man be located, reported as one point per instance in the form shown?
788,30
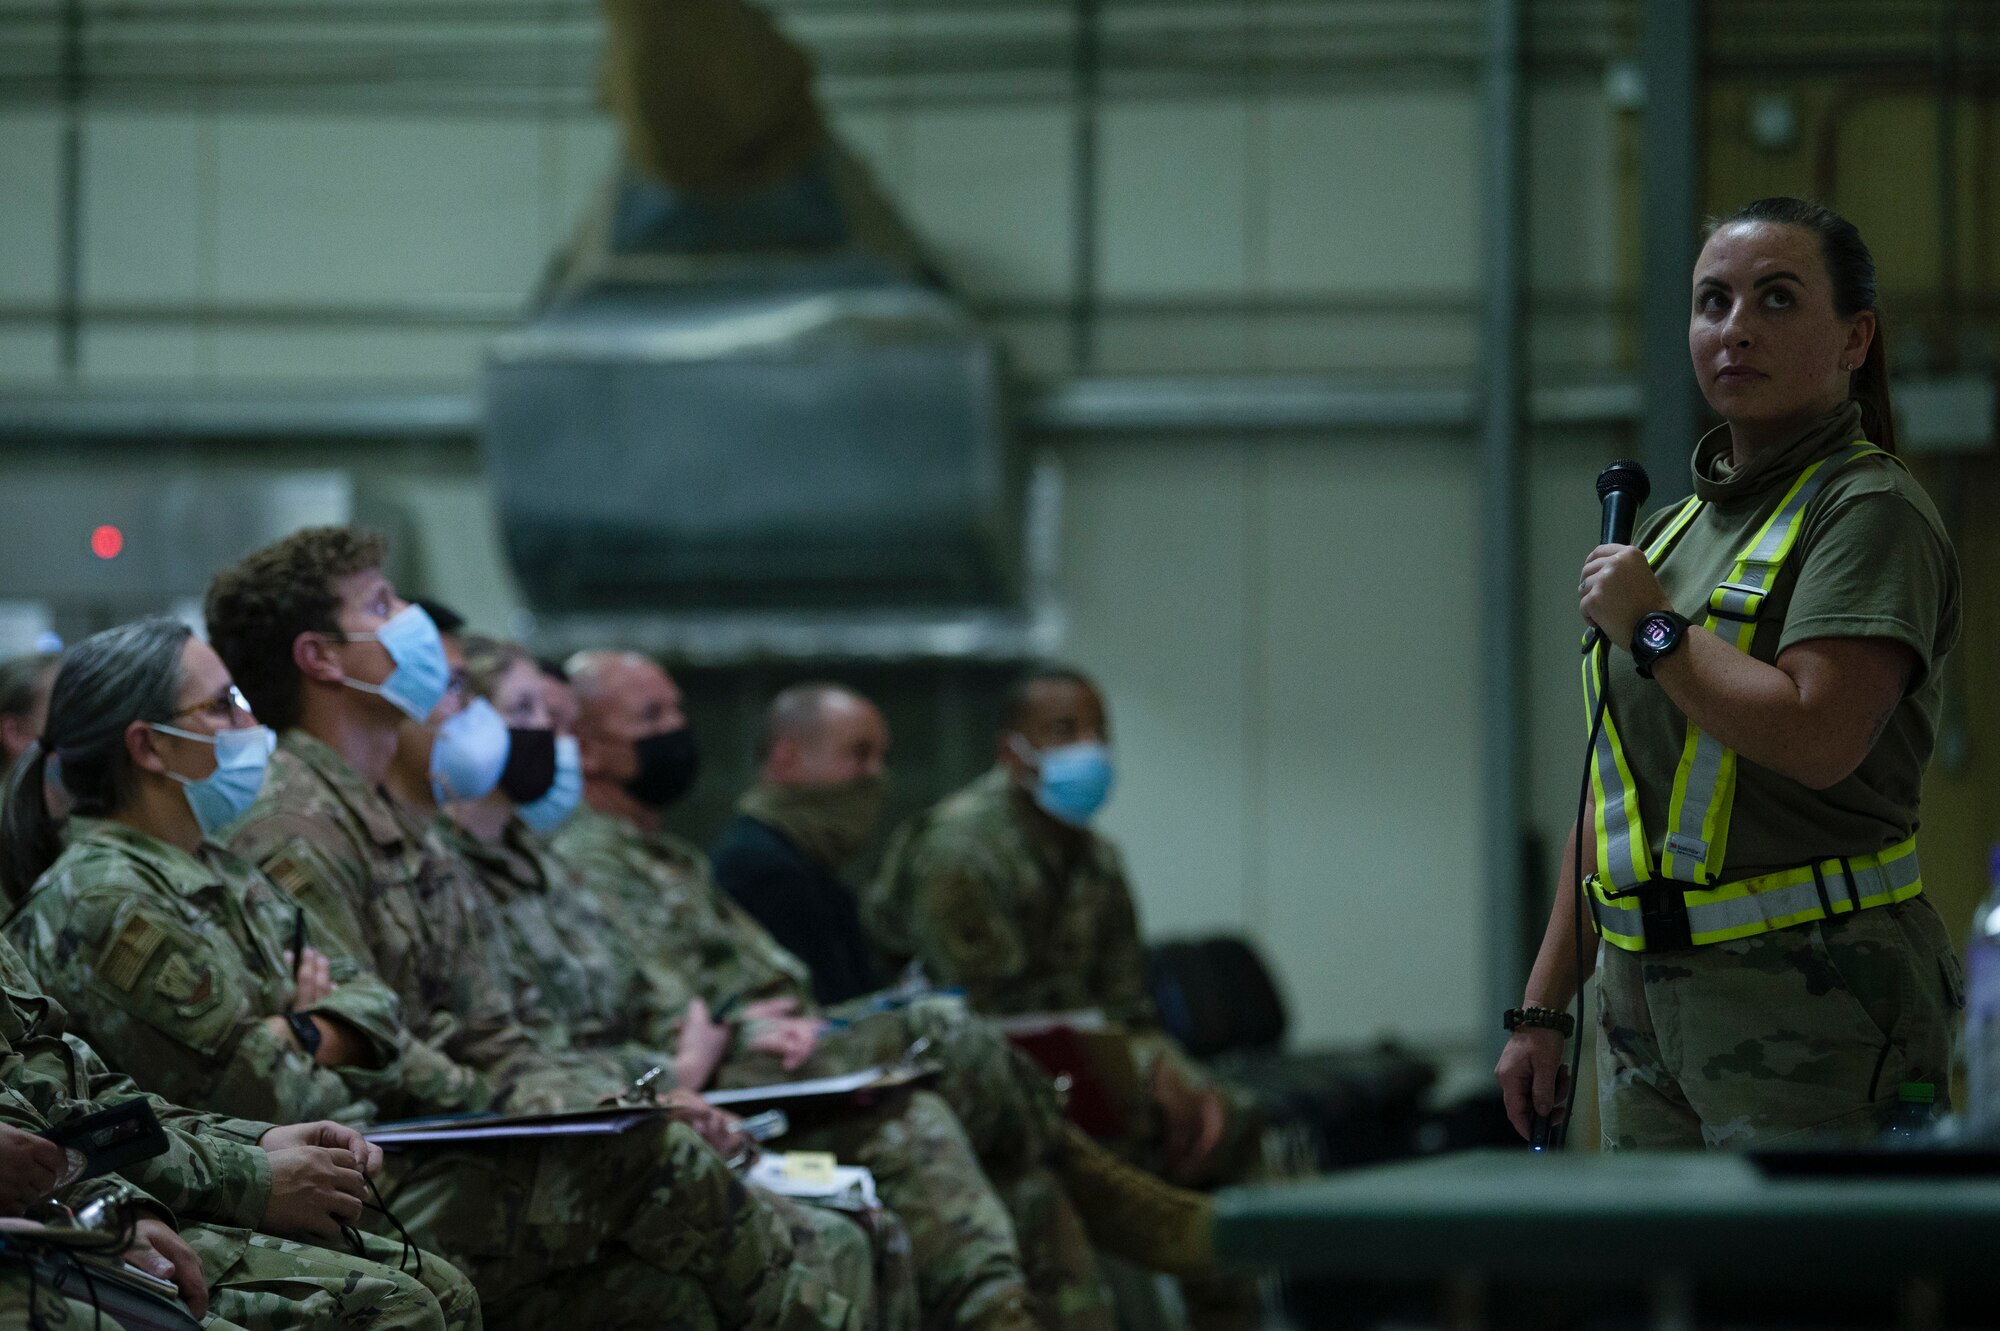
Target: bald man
817,801
1065,1193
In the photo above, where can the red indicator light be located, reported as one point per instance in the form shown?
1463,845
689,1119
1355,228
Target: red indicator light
106,542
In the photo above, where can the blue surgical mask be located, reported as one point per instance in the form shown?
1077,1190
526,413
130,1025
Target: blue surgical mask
552,810
469,753
227,793
418,683
1071,782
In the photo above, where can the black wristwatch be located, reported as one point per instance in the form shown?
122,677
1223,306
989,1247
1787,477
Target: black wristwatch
1657,636
1547,1017
307,1031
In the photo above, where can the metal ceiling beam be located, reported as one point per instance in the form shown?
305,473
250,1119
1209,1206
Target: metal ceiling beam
1102,406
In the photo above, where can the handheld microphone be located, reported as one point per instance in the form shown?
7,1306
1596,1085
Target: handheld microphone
1622,488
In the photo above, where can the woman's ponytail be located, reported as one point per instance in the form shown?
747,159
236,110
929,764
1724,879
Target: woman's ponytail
106,682
1870,387
30,839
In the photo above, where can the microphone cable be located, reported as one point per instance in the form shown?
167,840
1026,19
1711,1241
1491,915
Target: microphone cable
1559,1133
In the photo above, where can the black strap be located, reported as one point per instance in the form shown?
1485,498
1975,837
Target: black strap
1853,888
1819,886
1664,917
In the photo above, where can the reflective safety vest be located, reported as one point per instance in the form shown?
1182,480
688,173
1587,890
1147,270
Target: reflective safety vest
1680,903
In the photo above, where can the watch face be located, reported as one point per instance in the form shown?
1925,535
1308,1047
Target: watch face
1655,631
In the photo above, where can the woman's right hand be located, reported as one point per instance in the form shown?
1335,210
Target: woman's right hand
1533,1078
314,1191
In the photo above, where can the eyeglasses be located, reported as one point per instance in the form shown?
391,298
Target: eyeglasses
228,705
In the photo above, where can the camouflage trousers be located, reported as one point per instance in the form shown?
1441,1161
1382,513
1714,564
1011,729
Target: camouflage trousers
1799,1035
645,1228
261,1283
1011,1117
24,1307
964,1253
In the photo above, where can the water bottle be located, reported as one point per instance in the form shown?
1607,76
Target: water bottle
1982,1012
1916,1110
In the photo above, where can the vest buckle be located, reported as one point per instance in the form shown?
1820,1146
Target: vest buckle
1663,915
1738,601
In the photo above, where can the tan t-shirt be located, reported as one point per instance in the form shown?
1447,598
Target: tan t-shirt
1872,561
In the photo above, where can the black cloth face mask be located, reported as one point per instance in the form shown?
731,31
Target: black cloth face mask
668,763
531,765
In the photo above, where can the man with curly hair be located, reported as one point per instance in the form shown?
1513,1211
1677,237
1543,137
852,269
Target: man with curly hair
327,653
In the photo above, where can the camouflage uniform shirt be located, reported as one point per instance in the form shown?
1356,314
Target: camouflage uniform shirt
173,962
213,1169
659,888
389,890
570,959
990,902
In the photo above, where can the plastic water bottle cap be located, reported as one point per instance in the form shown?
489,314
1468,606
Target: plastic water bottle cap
1917,1092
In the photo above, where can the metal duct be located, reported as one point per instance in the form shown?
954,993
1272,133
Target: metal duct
826,436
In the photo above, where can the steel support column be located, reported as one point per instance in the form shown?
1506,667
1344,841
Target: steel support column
1670,202
1503,504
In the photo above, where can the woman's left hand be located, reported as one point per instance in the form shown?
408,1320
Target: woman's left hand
1618,590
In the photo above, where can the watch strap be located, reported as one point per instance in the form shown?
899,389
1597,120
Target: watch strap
306,1030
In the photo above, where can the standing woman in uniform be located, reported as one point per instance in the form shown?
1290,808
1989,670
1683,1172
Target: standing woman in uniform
1769,968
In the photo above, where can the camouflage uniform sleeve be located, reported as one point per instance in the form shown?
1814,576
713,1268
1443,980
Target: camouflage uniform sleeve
306,858
213,1169
1118,977
159,1005
424,1078
20,1113
360,1000
527,1057
575,1079
956,922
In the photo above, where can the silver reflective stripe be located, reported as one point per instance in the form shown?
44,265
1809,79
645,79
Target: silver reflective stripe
1707,777
1621,916
1622,854
1735,600
1621,848
1872,887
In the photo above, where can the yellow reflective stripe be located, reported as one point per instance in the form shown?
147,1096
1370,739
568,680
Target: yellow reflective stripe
1623,854
1895,860
1704,791
1806,916
1689,507
1608,912
1759,905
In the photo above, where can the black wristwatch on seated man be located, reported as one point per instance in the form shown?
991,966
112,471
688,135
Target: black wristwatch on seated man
1658,635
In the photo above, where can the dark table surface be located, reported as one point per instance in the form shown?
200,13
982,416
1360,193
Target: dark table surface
1519,1215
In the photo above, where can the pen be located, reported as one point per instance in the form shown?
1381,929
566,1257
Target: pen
298,950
